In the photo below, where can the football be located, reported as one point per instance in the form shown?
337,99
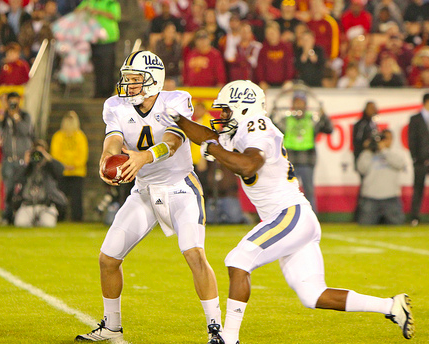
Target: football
112,167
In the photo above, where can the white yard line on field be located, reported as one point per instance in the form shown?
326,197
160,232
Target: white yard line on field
376,243
50,300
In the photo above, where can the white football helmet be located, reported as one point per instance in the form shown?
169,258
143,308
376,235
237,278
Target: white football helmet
150,67
244,99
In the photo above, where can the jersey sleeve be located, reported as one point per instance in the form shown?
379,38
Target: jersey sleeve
183,105
113,126
260,133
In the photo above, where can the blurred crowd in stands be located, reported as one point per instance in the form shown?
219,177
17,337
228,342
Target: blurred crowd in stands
324,43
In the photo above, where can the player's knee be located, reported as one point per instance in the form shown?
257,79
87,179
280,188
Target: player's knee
196,258
108,263
310,290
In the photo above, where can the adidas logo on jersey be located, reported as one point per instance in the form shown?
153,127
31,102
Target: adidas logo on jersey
158,201
131,120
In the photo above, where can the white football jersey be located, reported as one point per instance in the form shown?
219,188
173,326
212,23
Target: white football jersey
274,187
141,130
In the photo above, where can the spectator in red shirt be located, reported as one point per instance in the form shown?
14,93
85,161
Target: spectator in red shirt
15,70
402,51
195,19
204,65
243,64
356,16
275,62
325,28
420,63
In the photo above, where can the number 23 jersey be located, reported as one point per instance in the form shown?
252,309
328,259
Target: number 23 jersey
274,187
141,130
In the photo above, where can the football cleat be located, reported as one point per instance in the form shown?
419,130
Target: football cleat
100,334
214,336
401,314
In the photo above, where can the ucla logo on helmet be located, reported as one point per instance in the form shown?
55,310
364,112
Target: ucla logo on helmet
248,96
153,62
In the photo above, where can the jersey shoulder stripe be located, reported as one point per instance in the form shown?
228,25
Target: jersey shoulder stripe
176,131
114,132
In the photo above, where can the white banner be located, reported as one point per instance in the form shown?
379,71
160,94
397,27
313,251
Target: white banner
335,164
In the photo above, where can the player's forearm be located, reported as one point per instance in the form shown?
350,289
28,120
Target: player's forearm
197,133
112,145
244,164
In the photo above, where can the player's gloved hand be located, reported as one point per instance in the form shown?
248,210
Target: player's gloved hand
169,117
172,114
203,149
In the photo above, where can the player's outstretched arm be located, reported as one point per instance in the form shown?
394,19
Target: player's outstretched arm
245,164
112,145
196,132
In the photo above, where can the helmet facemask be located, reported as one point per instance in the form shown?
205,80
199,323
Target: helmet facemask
151,69
227,125
242,99
136,97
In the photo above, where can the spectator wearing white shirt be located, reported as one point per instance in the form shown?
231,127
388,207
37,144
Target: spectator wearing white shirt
352,78
381,166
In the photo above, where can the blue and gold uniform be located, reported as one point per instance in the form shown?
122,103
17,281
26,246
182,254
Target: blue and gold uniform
167,192
289,230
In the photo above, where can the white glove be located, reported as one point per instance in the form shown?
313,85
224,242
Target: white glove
203,150
168,118
172,114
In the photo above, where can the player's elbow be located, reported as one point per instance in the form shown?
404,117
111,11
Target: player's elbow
251,165
247,172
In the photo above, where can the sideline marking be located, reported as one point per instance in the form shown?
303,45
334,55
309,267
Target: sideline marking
53,301
50,300
355,250
376,243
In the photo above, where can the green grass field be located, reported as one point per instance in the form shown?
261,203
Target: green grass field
50,292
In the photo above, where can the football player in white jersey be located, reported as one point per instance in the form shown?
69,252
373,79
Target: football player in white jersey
166,190
252,147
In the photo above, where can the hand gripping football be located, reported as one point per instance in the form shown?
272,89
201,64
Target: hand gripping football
112,168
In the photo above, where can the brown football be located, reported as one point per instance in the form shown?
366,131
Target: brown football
112,167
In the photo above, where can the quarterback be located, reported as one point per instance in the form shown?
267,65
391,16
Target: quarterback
247,142
166,190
